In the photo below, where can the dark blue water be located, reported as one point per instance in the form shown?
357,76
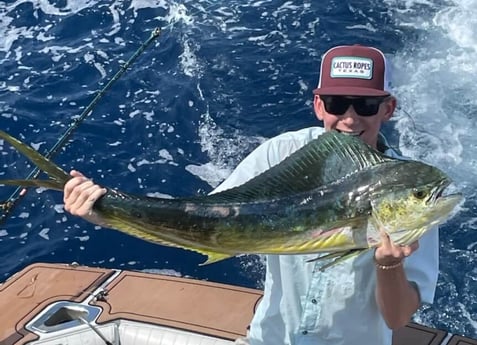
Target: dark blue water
222,77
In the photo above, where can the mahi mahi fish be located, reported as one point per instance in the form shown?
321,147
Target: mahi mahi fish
335,195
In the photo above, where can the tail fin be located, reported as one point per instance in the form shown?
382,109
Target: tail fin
57,176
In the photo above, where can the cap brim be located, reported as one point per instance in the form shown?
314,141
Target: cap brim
350,91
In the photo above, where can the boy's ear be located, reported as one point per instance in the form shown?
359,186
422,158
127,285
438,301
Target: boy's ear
318,107
390,107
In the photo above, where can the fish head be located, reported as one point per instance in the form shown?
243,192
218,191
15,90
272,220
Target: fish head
409,199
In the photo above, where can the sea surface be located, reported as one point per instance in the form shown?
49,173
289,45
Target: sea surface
222,77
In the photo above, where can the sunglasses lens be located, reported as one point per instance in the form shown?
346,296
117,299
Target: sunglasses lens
367,106
336,105
363,106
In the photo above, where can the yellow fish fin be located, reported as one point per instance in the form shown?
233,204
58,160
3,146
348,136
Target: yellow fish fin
144,234
213,257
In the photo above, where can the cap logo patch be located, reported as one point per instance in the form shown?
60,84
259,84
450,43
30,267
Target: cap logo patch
351,67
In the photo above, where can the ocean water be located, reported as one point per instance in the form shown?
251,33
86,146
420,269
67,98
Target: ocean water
221,77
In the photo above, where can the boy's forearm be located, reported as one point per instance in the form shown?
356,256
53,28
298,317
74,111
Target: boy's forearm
396,297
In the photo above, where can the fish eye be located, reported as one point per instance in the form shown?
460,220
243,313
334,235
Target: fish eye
419,194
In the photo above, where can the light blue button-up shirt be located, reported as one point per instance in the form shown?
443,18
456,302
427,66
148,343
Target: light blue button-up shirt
302,305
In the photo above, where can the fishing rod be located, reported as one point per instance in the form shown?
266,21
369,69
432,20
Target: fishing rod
8,205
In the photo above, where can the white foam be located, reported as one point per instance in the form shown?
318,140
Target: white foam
437,122
435,83
209,173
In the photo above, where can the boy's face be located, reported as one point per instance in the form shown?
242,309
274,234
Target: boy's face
376,111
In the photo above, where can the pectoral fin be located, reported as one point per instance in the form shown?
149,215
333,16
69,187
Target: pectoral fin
337,257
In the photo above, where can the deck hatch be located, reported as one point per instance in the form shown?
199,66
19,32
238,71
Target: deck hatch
58,317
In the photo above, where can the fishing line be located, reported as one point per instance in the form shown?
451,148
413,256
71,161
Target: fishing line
20,192
413,125
410,118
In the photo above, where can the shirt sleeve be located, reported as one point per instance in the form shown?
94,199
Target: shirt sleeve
268,154
255,163
422,267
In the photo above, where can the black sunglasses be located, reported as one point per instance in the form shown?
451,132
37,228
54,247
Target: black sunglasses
363,106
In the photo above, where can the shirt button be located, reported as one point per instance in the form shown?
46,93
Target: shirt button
314,301
304,332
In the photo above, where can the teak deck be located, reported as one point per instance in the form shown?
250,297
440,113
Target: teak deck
214,309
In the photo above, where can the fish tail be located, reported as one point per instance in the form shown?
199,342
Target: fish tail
57,176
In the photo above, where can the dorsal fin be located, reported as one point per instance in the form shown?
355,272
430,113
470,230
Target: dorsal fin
324,160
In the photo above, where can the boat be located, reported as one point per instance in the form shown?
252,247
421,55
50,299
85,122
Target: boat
70,304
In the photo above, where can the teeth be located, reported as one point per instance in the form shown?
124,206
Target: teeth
355,134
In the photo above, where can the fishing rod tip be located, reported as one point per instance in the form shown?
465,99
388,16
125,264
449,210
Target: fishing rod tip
156,32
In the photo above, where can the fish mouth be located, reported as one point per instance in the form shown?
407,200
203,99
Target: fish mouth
439,195
441,187
438,192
